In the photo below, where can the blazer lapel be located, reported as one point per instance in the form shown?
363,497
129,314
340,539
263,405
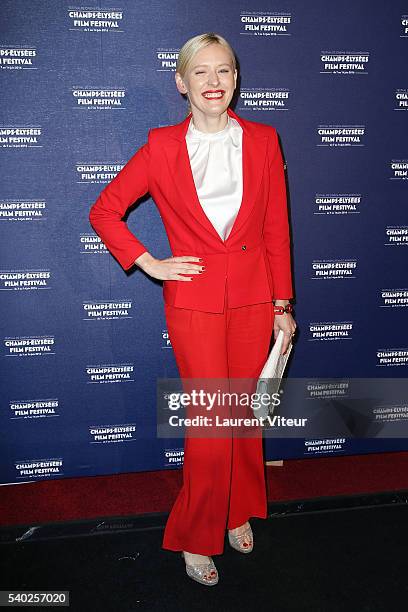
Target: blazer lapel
253,158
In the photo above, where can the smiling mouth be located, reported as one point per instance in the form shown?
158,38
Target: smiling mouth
213,95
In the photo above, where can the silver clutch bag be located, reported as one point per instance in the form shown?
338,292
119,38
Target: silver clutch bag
271,376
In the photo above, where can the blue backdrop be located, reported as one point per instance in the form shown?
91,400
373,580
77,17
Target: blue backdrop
83,342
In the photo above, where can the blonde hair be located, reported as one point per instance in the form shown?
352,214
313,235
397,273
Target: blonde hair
195,44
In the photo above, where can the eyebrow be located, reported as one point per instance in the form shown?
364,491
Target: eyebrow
222,64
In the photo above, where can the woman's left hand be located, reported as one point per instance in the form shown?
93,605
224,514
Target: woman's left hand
287,324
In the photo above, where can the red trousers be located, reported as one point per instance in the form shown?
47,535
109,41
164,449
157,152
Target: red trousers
223,477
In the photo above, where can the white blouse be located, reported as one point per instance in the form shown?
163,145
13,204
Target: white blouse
216,164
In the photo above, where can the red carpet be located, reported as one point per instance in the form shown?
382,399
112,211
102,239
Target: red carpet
144,492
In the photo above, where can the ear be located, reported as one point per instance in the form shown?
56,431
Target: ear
180,83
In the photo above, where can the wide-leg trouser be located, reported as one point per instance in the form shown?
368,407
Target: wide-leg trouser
223,477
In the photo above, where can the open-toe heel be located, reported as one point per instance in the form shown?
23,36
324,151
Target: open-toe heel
204,573
244,542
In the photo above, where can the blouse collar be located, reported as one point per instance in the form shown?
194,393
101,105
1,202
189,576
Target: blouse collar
232,129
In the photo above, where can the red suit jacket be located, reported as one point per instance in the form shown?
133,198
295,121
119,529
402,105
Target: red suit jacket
252,265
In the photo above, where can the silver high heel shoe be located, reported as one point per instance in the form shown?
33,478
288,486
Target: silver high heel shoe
244,542
204,573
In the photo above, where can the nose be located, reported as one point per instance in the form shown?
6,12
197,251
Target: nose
213,78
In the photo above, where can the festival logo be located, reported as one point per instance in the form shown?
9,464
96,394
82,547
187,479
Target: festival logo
264,99
112,434
94,98
391,413
333,268
327,389
393,298
396,235
34,409
340,135
265,23
331,330
95,19
340,62
173,457
392,357
29,346
399,169
98,173
110,373
39,468
166,59
91,243
23,210
20,136
23,280
106,311
18,58
401,100
325,446
337,203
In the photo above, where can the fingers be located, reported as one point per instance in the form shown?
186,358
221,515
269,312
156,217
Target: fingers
286,342
180,264
184,259
285,345
288,328
178,277
191,269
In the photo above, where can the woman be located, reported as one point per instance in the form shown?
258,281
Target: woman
218,181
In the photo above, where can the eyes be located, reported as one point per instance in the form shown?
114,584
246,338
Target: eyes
202,71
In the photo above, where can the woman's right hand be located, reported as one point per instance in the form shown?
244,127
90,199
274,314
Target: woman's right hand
171,268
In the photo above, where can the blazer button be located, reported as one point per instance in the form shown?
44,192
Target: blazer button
243,247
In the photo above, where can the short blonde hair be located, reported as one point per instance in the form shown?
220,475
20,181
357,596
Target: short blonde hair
195,44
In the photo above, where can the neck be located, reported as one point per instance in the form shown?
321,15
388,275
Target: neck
206,123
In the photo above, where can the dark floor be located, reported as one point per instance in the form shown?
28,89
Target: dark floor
351,560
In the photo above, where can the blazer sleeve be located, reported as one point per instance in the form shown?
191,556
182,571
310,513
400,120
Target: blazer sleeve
106,213
276,225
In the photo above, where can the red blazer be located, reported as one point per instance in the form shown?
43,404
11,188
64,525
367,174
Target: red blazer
252,265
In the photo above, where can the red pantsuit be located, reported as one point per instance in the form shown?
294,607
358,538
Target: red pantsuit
220,322
223,477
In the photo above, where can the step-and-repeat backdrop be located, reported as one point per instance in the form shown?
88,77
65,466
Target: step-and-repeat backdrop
83,342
